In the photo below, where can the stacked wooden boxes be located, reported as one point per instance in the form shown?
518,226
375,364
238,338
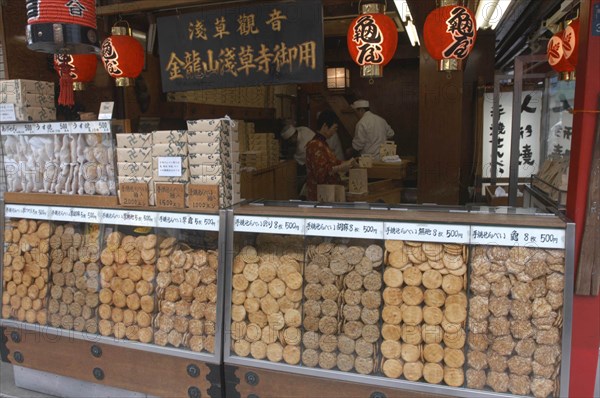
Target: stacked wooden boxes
214,157
33,100
267,147
170,165
134,160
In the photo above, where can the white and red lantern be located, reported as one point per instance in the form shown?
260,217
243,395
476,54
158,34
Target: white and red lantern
123,56
557,58
450,33
74,71
570,38
372,40
55,26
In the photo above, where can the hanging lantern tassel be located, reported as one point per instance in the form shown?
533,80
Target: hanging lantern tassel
66,97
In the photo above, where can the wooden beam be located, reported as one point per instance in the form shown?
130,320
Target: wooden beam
133,7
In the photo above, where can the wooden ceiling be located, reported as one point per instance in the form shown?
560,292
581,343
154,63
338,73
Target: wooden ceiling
522,19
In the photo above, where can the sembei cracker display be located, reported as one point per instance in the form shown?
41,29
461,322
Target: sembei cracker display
515,317
424,311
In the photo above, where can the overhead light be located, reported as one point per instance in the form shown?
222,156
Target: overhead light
413,36
403,10
407,20
490,12
338,78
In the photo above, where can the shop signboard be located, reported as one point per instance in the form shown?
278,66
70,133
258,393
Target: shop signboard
529,137
271,43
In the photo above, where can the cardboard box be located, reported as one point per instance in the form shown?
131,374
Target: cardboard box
26,86
27,100
134,155
207,125
35,114
221,147
127,169
196,159
206,170
174,149
134,140
177,137
195,137
494,200
206,180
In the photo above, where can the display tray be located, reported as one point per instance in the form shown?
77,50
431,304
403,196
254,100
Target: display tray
463,304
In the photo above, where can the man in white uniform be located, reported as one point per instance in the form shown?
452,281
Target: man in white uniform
371,131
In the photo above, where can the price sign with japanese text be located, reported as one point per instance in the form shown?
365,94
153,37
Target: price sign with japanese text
131,218
440,233
345,228
269,225
506,236
27,211
188,221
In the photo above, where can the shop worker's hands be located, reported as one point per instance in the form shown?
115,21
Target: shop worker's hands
345,166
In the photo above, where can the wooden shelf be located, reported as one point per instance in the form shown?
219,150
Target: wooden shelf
61,200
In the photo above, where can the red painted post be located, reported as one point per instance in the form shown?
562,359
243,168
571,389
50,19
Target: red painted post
586,310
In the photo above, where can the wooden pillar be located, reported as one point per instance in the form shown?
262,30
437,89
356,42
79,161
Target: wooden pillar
447,131
586,310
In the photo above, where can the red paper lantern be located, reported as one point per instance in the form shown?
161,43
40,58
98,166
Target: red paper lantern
74,71
450,33
123,56
557,59
82,68
372,40
570,38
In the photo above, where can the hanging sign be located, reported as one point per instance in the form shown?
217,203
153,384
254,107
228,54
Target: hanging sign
272,43
529,134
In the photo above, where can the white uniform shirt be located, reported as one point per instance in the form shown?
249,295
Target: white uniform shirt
304,135
371,131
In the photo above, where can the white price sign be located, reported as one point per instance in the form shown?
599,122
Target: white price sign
169,166
26,211
269,225
345,228
188,221
89,127
440,233
131,218
506,236
76,214
7,113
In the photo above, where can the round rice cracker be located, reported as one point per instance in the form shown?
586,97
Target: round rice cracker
398,259
433,373
374,253
291,354
394,245
391,349
454,377
391,332
452,284
432,279
454,358
433,353
412,276
413,371
392,368
393,277
392,296
412,295
391,315
432,315
455,313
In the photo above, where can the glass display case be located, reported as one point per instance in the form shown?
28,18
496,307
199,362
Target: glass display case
64,158
455,302
144,280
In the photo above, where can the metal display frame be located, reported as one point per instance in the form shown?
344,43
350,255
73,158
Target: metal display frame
215,358
230,358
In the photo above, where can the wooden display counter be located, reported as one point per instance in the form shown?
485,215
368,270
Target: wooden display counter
255,382
110,365
276,182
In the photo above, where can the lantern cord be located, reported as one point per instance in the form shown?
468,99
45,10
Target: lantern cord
66,97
